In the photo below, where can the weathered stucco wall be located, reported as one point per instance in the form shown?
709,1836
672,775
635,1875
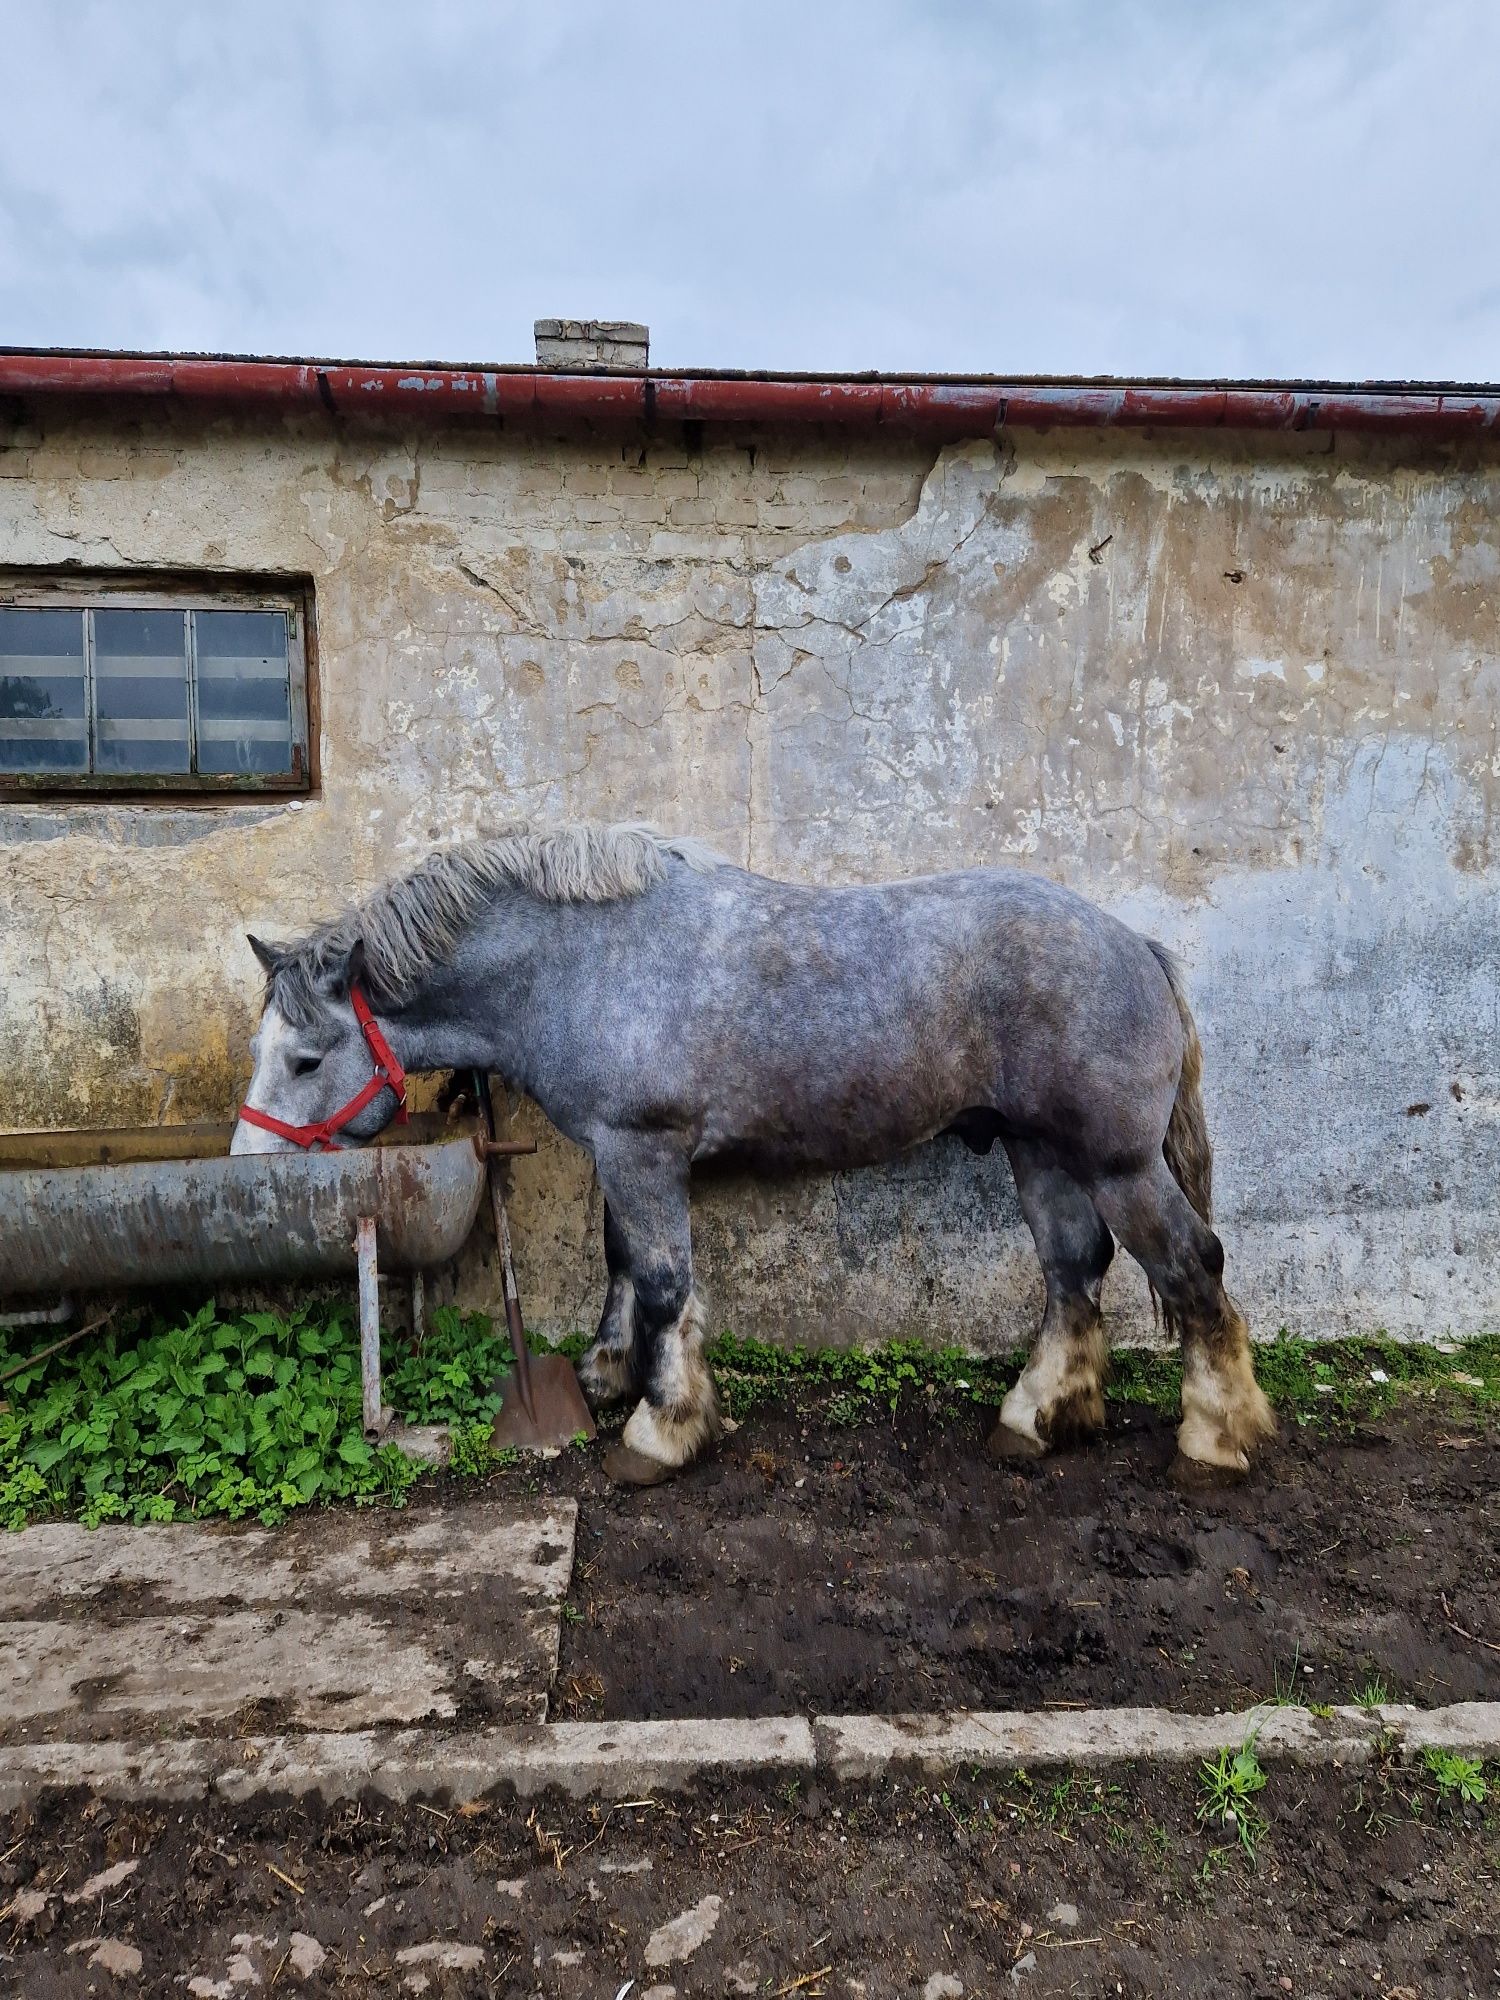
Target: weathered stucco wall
1243,691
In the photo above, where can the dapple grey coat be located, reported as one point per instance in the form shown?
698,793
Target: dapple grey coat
665,1008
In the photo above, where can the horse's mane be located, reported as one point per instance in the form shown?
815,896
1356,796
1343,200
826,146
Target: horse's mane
414,923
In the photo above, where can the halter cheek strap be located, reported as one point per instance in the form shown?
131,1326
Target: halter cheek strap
388,1075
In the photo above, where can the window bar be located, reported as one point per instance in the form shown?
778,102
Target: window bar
91,721
296,693
192,690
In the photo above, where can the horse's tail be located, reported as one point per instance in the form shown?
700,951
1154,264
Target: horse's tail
1187,1148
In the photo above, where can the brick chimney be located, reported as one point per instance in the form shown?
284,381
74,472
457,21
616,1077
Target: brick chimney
590,343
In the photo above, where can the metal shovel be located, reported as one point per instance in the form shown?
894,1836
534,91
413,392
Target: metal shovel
543,1407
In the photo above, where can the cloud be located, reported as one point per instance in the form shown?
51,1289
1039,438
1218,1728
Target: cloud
1279,189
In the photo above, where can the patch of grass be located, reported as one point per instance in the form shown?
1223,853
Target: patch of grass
256,1414
1212,1864
864,1380
1227,1786
1457,1778
1155,1841
1335,1384
1372,1693
1330,1385
1147,1376
471,1454
1286,1693
1064,1802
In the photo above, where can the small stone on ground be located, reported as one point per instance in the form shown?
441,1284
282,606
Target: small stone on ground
306,1955
680,1938
446,1957
114,1955
106,1879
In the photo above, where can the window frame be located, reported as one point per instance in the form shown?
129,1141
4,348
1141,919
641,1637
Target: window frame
82,592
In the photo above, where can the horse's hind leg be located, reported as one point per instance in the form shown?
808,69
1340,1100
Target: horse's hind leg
645,1180
611,1370
1225,1414
1060,1394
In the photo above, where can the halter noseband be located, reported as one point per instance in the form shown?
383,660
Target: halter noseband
389,1075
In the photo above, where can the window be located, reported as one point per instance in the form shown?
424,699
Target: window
120,689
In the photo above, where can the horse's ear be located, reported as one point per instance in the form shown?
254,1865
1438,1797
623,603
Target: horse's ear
354,970
269,956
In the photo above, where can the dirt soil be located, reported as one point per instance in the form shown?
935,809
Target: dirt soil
1363,1884
891,1566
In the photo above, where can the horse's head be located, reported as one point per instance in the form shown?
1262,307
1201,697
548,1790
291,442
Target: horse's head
324,1075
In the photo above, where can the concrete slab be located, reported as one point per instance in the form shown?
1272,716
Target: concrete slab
864,1746
180,1769
335,1622
633,1759
586,1759
309,1559
315,1671
1468,1728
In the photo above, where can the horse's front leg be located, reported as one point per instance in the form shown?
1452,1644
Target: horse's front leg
612,1369
645,1182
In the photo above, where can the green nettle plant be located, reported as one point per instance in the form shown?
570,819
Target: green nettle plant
251,1415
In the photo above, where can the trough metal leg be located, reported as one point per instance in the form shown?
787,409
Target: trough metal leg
418,1310
377,1417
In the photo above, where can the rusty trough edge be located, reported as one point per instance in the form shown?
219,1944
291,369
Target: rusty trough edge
239,1220
620,1760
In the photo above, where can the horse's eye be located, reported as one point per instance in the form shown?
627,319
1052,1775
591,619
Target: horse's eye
305,1065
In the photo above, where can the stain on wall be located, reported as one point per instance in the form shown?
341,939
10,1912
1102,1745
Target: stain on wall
1244,691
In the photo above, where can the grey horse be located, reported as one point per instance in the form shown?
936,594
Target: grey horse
664,1007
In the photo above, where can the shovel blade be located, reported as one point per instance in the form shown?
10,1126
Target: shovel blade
557,1415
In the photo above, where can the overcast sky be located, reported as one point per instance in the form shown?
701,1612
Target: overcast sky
1308,189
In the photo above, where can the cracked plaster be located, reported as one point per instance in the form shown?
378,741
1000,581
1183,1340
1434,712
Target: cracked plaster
1245,691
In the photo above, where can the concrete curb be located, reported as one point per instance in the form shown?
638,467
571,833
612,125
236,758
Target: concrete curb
625,1759
864,1746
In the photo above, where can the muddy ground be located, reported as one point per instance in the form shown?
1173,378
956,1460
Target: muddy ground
1362,1884
889,1565
886,1564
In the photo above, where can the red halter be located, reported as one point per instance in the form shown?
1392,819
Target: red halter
389,1075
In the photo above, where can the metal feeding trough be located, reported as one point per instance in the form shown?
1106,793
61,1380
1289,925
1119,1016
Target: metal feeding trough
112,1211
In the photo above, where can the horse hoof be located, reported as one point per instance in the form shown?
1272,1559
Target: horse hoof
1192,1475
625,1467
1004,1444
601,1401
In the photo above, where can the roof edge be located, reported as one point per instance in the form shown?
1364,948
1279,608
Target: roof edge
944,407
